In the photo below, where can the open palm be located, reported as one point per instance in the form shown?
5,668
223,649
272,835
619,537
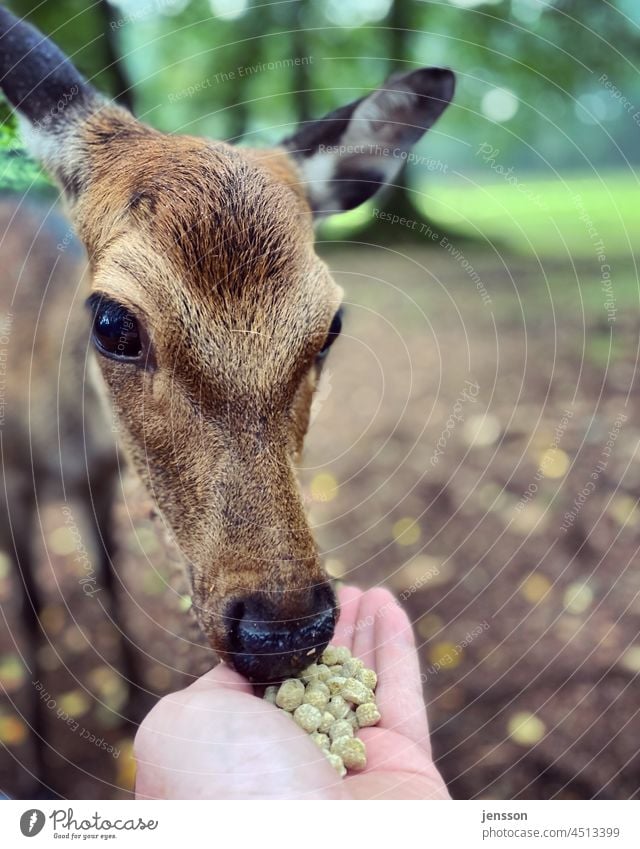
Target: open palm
217,740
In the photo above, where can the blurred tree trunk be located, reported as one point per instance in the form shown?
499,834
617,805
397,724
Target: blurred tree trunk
404,17
123,87
301,75
234,98
397,199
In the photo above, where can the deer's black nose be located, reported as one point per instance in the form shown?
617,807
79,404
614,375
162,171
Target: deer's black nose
267,645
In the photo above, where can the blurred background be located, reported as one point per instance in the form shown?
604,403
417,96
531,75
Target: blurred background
475,439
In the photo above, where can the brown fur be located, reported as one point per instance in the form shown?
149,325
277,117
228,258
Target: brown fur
212,248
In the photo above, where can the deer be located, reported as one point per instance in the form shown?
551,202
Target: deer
209,315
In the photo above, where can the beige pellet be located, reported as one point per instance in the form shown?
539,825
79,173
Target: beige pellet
330,656
320,686
310,673
317,694
337,763
355,691
336,684
342,654
352,667
338,707
367,714
367,677
308,717
341,728
351,750
321,740
318,700
352,719
270,694
326,722
336,702
315,672
324,673
290,694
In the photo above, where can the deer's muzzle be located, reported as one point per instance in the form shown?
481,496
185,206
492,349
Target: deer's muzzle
265,643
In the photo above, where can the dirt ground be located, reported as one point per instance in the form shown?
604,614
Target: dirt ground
474,447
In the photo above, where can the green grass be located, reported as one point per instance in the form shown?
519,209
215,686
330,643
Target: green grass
559,247
18,172
546,217
531,216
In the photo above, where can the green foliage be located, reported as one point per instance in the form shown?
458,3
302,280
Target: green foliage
550,57
18,172
223,68
569,217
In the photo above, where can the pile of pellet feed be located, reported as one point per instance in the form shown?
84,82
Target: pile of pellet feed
331,701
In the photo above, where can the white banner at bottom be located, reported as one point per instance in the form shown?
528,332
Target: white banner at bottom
263,824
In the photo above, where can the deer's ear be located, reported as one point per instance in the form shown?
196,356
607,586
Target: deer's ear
348,155
51,97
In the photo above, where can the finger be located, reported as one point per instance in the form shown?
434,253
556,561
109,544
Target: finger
223,676
373,605
399,691
198,697
349,600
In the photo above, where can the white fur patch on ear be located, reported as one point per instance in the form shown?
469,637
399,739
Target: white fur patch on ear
42,145
60,150
368,142
347,156
318,172
381,115
325,174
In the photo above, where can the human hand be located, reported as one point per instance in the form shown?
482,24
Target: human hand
217,740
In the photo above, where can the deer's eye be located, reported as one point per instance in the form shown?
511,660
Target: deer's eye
116,332
332,335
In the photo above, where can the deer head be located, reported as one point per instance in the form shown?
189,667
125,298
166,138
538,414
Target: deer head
211,318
